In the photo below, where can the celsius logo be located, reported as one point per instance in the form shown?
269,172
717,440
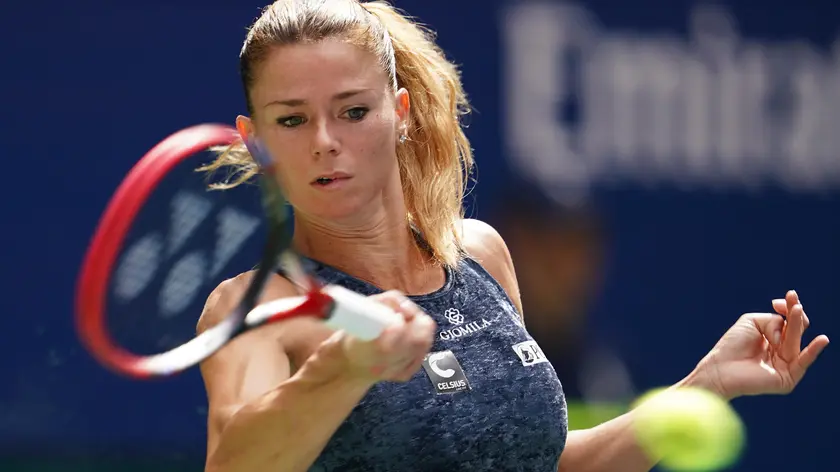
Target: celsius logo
445,372
433,363
455,317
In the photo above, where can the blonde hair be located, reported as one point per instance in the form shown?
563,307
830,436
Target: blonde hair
436,159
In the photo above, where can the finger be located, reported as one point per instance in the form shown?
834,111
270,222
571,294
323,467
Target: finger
808,356
792,338
422,337
409,370
389,341
395,370
792,295
414,345
400,303
392,299
427,328
415,339
770,325
385,346
410,310
791,299
419,336
780,305
775,331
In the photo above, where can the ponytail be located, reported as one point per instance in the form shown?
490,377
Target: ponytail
436,160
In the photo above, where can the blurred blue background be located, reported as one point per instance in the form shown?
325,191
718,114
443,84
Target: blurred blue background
657,167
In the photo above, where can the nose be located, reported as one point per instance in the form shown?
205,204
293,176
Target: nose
325,141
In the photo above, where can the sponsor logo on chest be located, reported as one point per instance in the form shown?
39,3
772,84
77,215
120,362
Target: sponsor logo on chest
459,326
445,372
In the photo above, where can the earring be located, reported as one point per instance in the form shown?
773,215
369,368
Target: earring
403,139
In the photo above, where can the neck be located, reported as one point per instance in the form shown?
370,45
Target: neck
383,252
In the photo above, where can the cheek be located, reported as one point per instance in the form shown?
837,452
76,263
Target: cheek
291,166
374,140
289,150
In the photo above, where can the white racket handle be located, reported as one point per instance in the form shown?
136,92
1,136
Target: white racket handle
358,315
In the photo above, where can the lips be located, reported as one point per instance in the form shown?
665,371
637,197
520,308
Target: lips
329,179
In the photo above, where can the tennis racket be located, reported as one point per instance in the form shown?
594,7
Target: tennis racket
165,241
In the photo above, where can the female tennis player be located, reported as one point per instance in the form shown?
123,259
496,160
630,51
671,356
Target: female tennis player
361,113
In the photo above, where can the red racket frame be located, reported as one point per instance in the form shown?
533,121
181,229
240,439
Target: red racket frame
113,228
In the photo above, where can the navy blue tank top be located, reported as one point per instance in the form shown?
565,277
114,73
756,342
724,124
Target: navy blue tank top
486,398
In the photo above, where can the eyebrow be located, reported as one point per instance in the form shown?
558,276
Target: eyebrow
296,102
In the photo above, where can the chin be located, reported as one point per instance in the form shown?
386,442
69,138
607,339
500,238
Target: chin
339,208
349,205
339,212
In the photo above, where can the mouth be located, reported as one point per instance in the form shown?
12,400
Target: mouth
330,179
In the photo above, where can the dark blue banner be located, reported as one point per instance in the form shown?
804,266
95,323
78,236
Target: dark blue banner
679,163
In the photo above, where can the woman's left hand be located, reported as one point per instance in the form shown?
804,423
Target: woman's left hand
761,353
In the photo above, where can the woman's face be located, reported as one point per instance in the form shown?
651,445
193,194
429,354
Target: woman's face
328,114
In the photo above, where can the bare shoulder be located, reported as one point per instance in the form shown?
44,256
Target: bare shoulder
484,244
227,294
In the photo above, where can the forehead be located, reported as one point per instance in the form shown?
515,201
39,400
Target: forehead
316,69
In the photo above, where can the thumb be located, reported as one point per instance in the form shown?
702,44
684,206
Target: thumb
769,325
780,305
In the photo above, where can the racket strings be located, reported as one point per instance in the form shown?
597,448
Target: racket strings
185,240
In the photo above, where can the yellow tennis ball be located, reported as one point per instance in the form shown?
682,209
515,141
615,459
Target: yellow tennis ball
688,429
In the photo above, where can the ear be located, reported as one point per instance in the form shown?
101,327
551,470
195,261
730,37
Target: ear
403,105
245,127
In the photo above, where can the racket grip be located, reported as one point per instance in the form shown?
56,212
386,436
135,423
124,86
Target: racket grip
358,315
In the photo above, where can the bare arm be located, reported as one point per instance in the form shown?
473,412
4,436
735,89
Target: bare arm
288,427
609,447
612,446
260,417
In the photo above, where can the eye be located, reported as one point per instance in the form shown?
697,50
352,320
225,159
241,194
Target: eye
357,113
291,121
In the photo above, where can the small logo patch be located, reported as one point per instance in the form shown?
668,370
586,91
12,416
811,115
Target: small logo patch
454,316
445,372
529,353
460,326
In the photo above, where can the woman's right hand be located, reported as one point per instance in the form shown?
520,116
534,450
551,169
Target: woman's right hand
398,353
